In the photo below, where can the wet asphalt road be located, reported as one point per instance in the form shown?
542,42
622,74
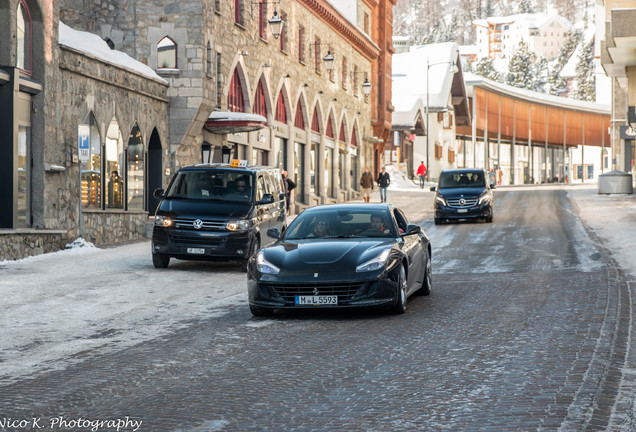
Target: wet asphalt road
522,332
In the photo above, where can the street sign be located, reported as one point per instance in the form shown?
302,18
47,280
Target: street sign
84,146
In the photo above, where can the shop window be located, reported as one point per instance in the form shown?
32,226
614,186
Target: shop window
23,37
281,109
24,174
135,170
166,54
91,178
235,100
113,164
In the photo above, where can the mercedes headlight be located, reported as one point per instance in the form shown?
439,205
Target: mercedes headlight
264,266
440,199
375,263
483,198
163,221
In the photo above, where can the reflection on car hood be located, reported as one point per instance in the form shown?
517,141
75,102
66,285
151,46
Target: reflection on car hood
347,252
203,208
466,192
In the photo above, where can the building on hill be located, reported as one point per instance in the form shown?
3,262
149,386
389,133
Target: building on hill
499,37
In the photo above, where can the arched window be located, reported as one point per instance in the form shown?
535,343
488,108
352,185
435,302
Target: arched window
281,109
341,135
315,123
91,169
114,164
354,138
329,128
23,37
135,170
166,54
235,100
299,120
259,101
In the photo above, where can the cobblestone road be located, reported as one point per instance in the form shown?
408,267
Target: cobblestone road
522,332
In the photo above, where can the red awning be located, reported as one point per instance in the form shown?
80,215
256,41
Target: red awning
227,122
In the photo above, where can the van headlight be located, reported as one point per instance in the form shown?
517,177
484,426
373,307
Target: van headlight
163,221
440,199
375,263
264,266
483,198
238,225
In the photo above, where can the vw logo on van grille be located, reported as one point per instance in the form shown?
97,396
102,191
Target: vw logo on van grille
197,224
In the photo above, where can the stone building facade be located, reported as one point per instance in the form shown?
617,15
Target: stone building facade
319,126
52,90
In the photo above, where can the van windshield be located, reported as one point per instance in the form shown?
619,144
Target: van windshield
462,179
218,185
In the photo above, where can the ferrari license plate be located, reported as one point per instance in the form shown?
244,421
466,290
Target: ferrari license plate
331,300
196,251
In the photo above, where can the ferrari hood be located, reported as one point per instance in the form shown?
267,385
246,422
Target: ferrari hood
325,252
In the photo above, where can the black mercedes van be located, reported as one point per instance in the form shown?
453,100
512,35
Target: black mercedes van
463,194
217,212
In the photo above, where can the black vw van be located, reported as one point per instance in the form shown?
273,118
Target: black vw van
217,212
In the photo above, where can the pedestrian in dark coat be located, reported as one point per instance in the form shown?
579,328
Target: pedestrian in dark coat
384,180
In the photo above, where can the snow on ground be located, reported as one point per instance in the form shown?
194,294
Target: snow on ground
60,304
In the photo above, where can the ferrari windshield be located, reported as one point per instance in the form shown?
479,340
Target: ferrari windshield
341,223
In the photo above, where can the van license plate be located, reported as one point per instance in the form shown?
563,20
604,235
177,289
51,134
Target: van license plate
317,300
196,251
462,211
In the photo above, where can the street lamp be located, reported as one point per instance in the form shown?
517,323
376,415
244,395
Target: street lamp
366,87
428,133
329,61
276,25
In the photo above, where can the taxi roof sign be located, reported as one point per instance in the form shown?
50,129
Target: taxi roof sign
238,163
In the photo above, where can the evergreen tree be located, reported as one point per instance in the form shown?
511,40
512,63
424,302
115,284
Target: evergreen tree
521,68
525,6
485,68
557,83
585,76
539,84
489,9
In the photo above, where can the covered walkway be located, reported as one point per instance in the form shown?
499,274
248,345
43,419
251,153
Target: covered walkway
532,137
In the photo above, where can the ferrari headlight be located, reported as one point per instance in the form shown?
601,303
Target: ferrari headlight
237,225
375,263
440,199
163,221
264,266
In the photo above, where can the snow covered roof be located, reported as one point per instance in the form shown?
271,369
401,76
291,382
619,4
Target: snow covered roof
529,95
224,122
95,46
409,92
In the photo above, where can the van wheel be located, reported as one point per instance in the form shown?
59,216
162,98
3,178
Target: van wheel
160,260
256,245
